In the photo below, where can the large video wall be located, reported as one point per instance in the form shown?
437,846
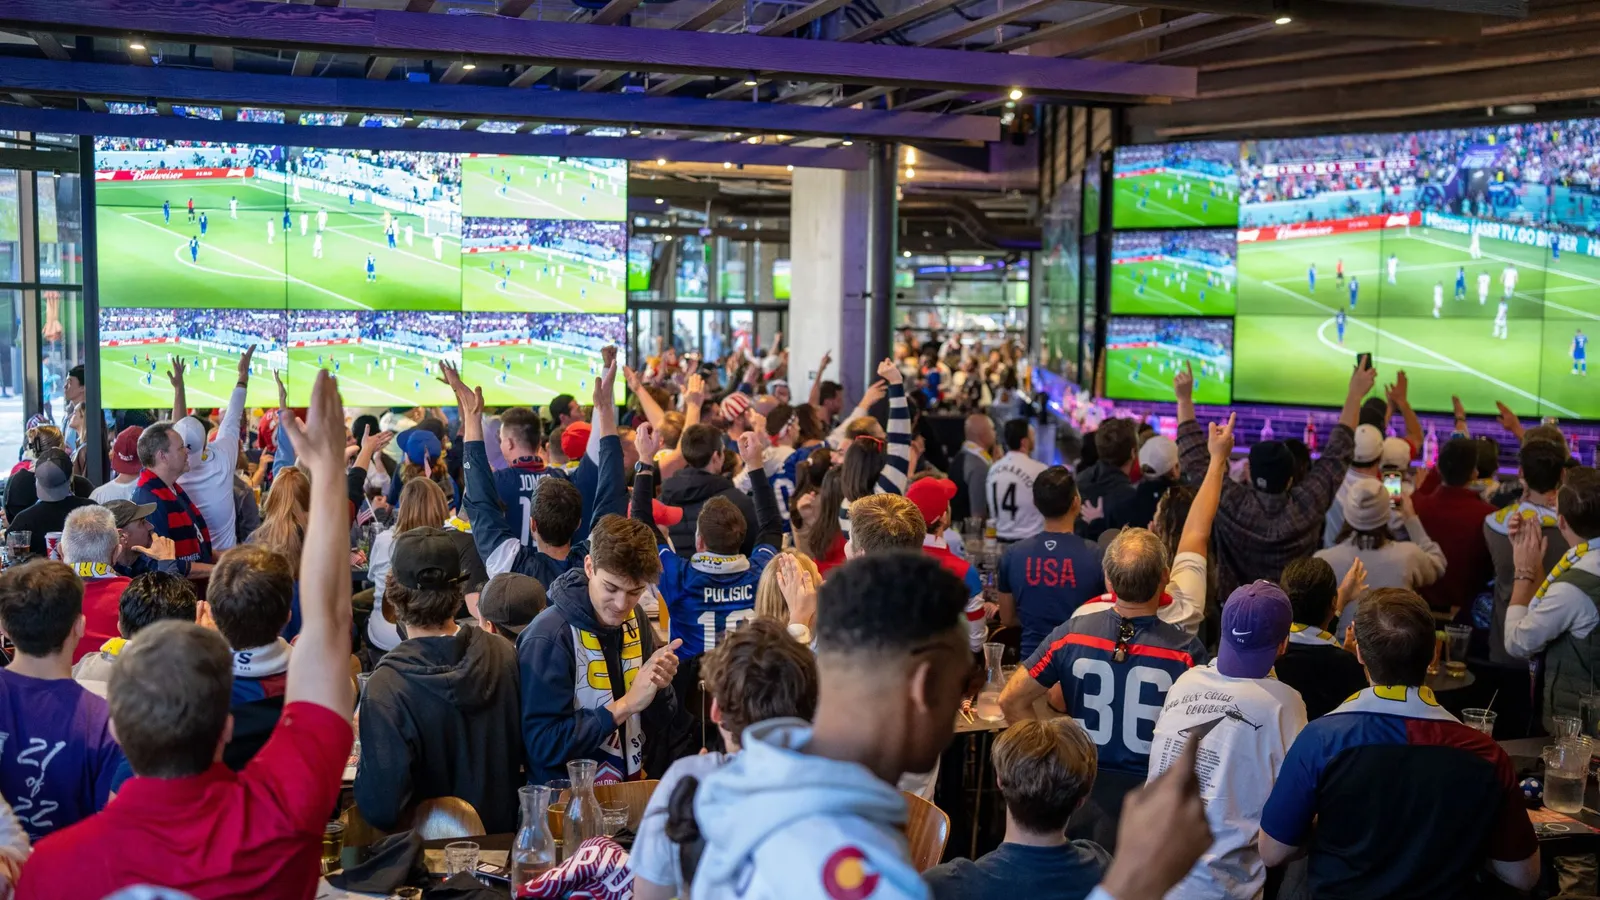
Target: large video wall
1469,257
374,265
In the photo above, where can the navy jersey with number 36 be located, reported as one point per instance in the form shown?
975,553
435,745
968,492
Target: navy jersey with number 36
1116,702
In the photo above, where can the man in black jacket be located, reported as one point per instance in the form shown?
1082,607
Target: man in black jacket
440,716
1106,485
594,684
700,480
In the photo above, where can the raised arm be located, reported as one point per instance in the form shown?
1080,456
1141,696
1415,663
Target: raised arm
319,670
1361,381
769,522
874,393
603,397
815,397
180,399
1197,527
1183,386
228,428
647,404
896,468
647,442
284,458
1397,395
1461,418
611,494
480,502
1509,420
694,398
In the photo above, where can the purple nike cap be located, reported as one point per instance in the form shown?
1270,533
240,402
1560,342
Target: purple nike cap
1255,621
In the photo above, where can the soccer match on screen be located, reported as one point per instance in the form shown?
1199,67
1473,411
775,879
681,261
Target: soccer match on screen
381,358
533,357
542,187
1177,273
253,226
138,345
1175,185
547,265
1429,250
1144,352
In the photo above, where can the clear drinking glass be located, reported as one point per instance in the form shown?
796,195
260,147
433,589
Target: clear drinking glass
332,846
460,856
615,816
534,850
17,544
1564,727
1457,639
584,818
1481,719
1566,773
1589,710
987,706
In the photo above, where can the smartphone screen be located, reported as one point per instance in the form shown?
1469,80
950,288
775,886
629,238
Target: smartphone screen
1391,483
498,873
1363,360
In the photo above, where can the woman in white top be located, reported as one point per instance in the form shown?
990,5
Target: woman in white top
422,505
1390,562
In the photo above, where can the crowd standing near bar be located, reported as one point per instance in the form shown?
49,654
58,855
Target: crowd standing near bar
1228,678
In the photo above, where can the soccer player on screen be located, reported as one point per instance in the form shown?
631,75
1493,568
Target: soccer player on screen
1555,247
233,207
1508,280
203,224
1580,353
191,209
1311,278
194,249
166,212
272,232
372,268
389,235
1501,331
1438,297
409,234
1483,288
287,223
1355,290
1461,282
316,246
438,247
305,222
1338,322
322,219
1473,247
1338,271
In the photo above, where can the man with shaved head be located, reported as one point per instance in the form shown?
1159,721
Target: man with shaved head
970,469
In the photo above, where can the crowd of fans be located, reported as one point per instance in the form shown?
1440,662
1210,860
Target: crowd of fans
1211,247
594,240
773,605
429,332
238,328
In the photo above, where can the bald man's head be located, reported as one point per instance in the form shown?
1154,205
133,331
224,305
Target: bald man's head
765,404
980,430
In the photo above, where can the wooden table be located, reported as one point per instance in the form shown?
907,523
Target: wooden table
1444,682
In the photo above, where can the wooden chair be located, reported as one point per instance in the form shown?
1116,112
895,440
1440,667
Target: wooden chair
927,830
634,793
446,817
358,832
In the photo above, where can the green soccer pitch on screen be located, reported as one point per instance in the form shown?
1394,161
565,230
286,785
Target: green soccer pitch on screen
205,249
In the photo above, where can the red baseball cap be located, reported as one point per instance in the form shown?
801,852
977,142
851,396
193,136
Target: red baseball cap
575,440
125,451
932,496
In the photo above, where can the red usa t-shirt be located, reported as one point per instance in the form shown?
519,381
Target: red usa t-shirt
256,833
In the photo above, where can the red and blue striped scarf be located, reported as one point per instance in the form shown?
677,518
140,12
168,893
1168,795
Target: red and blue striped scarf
175,517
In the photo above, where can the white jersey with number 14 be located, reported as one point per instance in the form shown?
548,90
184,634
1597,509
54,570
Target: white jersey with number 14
1010,488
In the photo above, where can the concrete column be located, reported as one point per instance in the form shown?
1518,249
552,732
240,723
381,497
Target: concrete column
828,249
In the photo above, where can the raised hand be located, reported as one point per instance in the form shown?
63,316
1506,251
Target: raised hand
888,371
750,450
283,392
605,387
1508,419
160,548
1362,380
1455,404
1220,439
827,358
608,355
319,441
630,378
875,392
244,363
1353,586
175,374
799,591
1183,383
694,393
468,400
1407,509
372,443
646,441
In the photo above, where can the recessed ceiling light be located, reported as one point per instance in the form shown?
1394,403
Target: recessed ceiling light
727,165
846,142
661,162
906,253
1016,93
635,130
1282,20
910,173
468,67
750,82
790,168
136,45
659,201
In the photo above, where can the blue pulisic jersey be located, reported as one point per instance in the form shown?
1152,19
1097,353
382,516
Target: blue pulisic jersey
1580,346
709,594
1116,702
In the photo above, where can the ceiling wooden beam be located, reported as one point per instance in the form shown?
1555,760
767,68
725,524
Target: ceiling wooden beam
454,73
993,20
709,14
1377,103
305,63
898,20
379,68
1062,29
140,55
931,100
1507,8
47,77
1340,18
530,76
428,139
48,45
614,11
1246,32
222,58
1295,47
513,8
601,80
1148,33
801,17
1500,53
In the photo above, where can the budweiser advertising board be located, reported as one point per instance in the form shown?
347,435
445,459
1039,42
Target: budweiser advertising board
1330,227
175,174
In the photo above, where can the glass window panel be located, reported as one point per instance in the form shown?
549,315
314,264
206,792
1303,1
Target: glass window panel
60,202
10,227
60,347
11,412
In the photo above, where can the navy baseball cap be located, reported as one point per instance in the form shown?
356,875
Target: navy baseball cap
1255,622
